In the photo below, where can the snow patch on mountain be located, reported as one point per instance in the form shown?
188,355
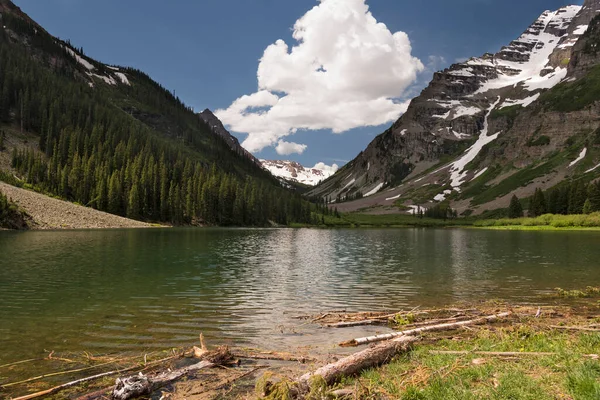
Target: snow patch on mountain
375,190
293,171
532,50
523,102
457,171
80,59
123,78
581,157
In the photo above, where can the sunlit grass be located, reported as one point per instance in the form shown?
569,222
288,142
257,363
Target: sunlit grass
545,221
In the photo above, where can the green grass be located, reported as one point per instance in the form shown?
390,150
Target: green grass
421,374
510,112
520,178
574,96
590,291
547,221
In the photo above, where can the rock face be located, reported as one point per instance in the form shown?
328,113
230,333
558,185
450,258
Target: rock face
293,171
219,130
477,115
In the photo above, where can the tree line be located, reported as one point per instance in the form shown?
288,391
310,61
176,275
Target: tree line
135,151
568,198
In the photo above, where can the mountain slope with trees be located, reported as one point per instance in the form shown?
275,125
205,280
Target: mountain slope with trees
113,139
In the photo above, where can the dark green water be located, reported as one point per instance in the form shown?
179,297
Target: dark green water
106,291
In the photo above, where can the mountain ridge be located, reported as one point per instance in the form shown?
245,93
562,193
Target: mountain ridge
447,120
115,140
292,171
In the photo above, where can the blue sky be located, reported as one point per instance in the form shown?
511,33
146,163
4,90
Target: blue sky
208,52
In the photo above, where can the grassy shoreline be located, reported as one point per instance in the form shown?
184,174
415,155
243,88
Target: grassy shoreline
546,352
536,354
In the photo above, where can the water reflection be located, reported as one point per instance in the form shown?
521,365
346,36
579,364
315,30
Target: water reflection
101,290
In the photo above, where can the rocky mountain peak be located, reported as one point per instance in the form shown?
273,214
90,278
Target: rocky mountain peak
456,116
219,129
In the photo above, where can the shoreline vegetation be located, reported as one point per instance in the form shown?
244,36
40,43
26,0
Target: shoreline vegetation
489,350
544,222
40,211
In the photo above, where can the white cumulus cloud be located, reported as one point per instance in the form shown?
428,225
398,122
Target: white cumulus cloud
286,148
327,168
346,71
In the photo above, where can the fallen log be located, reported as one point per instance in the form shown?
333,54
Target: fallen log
378,320
349,324
416,331
58,388
357,362
67,385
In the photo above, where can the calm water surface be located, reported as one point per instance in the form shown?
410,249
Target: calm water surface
103,291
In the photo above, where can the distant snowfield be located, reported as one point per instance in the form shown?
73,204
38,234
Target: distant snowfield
530,72
292,171
109,80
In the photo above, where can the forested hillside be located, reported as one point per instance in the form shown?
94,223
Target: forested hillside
113,139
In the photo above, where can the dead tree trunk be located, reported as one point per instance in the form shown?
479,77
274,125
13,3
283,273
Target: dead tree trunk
416,331
357,362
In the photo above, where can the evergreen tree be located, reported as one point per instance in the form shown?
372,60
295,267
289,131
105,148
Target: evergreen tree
587,207
515,210
538,204
133,206
577,197
554,201
97,150
594,196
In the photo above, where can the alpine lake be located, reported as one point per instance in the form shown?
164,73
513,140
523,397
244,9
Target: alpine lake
107,291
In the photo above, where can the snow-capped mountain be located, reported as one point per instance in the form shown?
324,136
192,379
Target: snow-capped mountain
463,123
293,171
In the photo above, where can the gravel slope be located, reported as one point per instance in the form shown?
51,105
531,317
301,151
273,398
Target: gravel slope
49,213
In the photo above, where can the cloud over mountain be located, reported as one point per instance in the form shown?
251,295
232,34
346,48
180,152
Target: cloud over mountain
345,71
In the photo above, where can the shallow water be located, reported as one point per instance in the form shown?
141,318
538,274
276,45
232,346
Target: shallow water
131,290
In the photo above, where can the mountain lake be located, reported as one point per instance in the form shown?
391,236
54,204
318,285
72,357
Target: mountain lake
108,291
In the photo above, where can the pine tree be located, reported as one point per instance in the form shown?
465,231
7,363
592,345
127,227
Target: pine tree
554,201
133,205
587,207
577,198
538,204
515,210
594,196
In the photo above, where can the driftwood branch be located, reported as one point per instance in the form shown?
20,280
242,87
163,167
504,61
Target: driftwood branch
58,388
349,324
379,320
277,356
417,331
357,362
139,385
